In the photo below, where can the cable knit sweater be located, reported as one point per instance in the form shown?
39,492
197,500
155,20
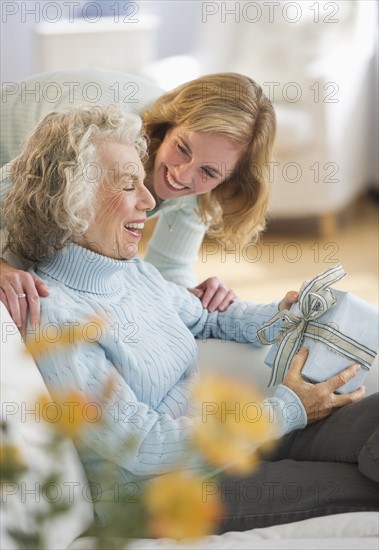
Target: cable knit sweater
148,344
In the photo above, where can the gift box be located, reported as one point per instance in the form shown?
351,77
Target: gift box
338,328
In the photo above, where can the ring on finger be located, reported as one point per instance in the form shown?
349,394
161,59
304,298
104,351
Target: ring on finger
22,295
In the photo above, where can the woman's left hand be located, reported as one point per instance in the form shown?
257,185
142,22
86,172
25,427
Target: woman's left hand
214,295
320,400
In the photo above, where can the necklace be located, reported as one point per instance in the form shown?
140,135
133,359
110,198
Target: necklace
160,205
166,215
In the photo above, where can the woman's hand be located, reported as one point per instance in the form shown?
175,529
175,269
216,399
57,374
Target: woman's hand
319,400
289,299
214,295
13,284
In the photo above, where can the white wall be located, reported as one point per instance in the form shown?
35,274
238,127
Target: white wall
20,18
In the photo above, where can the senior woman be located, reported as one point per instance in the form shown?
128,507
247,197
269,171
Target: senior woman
210,143
77,209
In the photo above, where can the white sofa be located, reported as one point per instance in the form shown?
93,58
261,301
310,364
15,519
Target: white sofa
21,382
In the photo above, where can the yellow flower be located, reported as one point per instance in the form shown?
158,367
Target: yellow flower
53,336
178,507
69,412
233,421
11,464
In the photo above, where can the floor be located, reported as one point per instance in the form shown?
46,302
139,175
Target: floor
292,251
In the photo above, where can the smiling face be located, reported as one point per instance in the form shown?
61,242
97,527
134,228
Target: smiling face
192,163
123,201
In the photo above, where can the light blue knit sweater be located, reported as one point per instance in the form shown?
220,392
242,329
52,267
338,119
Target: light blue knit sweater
148,344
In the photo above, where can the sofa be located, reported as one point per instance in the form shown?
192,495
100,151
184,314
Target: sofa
21,382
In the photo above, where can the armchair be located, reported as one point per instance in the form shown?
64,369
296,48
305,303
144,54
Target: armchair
314,61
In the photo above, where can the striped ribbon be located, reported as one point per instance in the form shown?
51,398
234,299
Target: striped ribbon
314,300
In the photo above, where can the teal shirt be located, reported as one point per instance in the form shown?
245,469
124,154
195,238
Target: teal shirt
24,104
148,346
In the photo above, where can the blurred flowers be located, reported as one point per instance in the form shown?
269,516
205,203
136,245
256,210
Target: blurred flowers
11,462
233,422
177,507
40,341
69,412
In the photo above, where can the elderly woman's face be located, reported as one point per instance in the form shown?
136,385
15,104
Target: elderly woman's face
193,163
122,203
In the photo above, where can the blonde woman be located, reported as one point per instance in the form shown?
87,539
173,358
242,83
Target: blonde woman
210,144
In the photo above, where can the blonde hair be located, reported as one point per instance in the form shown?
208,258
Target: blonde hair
234,106
56,177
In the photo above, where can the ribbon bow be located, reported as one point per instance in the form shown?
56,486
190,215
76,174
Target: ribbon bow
314,300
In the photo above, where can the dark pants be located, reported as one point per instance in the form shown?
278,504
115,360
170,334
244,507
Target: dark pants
327,468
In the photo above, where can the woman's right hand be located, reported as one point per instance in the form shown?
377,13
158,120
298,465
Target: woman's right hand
214,295
319,400
15,282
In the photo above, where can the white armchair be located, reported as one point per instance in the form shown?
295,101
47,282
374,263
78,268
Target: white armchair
313,60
